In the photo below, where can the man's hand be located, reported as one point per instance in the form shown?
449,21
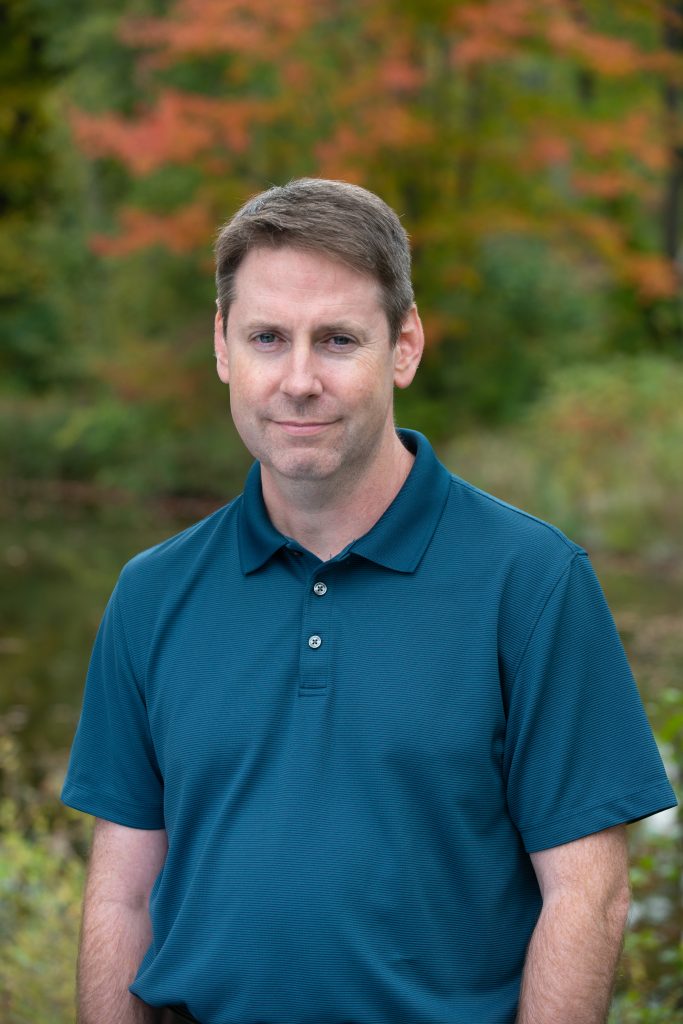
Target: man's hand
575,947
116,928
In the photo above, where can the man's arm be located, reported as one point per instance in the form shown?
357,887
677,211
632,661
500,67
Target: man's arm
575,947
116,929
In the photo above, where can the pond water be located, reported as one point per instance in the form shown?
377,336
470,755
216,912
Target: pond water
59,565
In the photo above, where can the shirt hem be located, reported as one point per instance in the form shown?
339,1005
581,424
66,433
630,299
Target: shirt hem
107,807
618,811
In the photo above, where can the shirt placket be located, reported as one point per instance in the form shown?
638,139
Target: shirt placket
316,634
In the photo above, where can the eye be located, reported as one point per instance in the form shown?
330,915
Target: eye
339,342
265,339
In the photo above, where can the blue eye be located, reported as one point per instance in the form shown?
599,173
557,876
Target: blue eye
266,338
340,341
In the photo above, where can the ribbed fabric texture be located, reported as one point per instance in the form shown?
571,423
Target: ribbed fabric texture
352,775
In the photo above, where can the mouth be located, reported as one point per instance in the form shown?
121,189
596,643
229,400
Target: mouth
303,428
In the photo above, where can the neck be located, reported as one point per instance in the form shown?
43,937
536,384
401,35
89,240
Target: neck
325,516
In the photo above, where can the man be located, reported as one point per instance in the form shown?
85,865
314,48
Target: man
361,744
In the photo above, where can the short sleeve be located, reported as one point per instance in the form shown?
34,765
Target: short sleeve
580,755
113,772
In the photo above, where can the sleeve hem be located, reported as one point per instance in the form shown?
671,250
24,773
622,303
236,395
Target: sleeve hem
619,811
101,805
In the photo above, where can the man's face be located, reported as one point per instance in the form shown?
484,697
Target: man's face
310,365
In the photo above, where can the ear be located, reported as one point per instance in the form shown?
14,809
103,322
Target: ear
408,349
220,348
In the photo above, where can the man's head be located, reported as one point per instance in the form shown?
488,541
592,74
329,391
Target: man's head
337,220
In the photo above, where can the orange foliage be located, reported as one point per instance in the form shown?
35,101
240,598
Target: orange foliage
480,49
495,30
401,75
437,328
637,133
179,128
607,184
547,149
395,126
387,127
147,379
651,275
340,156
605,235
354,91
491,31
297,75
607,55
511,20
187,228
200,27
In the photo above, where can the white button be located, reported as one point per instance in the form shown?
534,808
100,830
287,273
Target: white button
320,589
314,641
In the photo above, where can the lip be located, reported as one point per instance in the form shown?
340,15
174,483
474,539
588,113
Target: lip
303,428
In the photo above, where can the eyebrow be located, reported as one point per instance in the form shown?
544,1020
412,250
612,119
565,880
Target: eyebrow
341,327
334,327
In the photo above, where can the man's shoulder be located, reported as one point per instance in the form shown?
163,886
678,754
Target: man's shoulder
494,525
171,559
509,561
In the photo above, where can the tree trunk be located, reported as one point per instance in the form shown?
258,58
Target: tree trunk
671,206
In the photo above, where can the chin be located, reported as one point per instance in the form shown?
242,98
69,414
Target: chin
304,468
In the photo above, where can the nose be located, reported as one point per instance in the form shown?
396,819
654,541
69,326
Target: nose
301,379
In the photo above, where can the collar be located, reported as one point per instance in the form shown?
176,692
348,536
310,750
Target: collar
398,539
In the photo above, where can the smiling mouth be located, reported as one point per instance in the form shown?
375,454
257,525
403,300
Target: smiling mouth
303,428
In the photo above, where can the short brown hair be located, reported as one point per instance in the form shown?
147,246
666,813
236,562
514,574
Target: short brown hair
338,220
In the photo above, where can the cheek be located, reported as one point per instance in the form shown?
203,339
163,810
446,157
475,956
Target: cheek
372,388
245,386
240,402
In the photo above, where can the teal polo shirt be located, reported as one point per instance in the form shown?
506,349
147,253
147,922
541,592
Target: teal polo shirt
354,758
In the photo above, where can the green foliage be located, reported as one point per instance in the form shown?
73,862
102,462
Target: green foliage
598,454
125,447
54,439
521,308
650,980
41,880
29,71
51,289
650,983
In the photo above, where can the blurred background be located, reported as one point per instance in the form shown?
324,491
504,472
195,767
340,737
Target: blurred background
534,150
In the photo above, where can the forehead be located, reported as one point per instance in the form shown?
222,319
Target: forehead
286,275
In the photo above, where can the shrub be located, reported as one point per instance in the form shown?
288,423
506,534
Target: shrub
598,455
41,879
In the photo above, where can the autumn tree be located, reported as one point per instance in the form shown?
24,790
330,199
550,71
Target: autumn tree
485,123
